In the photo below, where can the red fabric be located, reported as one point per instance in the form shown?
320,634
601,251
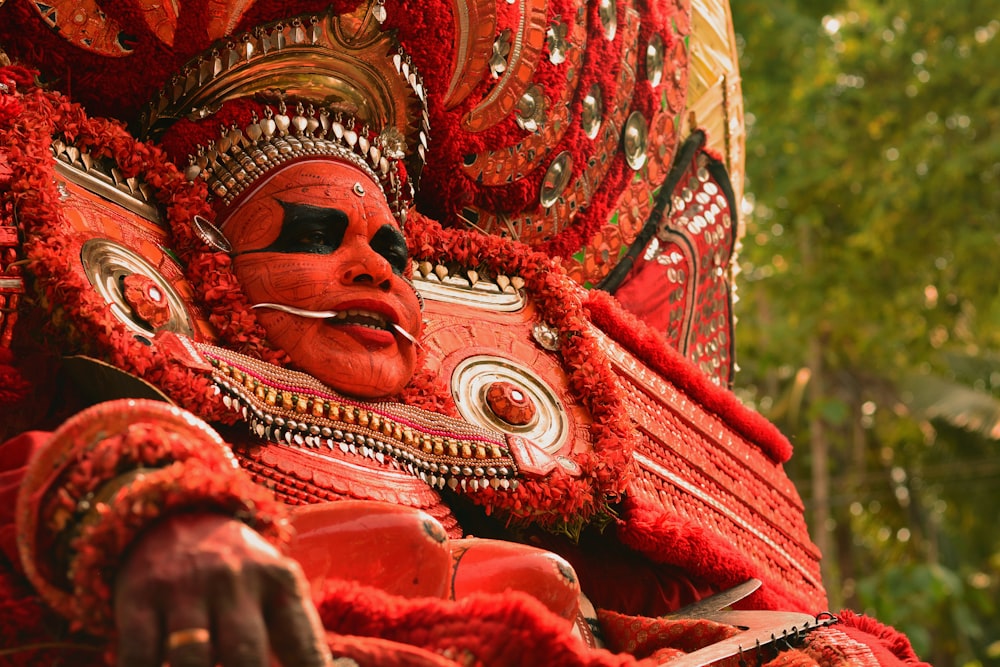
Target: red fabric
615,577
14,387
14,457
642,294
29,630
644,637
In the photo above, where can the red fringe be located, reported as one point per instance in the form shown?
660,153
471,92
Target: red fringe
793,658
652,349
889,640
664,538
498,630
18,75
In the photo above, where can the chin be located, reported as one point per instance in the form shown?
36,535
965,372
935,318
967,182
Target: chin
371,387
379,391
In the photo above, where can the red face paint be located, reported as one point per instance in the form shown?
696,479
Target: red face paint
319,236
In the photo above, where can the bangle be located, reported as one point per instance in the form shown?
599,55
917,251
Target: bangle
107,450
182,487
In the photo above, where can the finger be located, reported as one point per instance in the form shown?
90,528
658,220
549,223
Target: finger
241,635
140,638
242,642
296,634
188,641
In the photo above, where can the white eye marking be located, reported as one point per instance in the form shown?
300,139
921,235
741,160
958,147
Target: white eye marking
359,190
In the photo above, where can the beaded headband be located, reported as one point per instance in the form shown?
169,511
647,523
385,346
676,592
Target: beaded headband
242,155
357,97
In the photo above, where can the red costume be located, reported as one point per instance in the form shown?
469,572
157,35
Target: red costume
250,261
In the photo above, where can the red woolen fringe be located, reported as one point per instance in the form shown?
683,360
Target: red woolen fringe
889,639
498,630
663,538
512,629
651,348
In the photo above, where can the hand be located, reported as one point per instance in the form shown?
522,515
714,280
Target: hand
205,572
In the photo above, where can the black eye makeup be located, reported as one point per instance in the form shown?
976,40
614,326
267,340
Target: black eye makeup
318,230
390,244
311,229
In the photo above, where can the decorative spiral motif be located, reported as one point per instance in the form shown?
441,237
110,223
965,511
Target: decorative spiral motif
108,264
476,377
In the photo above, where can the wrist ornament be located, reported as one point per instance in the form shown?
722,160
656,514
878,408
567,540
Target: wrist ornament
107,474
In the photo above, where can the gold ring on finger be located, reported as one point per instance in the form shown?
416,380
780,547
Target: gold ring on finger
188,636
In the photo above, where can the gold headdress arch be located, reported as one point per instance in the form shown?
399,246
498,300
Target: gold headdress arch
354,95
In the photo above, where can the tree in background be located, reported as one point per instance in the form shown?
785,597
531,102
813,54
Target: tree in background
870,297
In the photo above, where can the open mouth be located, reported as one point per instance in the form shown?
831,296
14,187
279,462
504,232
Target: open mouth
362,318
353,316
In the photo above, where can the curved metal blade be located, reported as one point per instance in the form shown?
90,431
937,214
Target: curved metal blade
764,633
717,602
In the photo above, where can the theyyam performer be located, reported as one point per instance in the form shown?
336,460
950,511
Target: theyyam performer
385,333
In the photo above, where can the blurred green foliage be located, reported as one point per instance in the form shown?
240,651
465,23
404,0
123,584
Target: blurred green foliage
870,297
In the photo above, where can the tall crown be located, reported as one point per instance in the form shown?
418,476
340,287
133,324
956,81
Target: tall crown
331,85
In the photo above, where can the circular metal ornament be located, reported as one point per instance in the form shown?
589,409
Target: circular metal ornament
593,111
530,109
106,264
547,337
654,60
608,11
211,234
635,140
556,179
471,381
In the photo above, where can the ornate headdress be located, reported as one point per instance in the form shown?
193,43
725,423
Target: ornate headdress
314,85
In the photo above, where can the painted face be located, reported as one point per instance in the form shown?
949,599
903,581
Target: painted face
318,236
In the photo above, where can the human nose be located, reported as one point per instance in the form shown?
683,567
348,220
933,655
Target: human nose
367,268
